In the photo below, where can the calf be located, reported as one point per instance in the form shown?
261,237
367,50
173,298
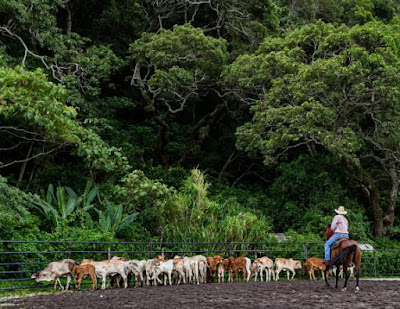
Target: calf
137,268
83,271
265,264
163,267
332,270
54,271
237,264
287,265
179,269
222,267
315,263
109,268
212,264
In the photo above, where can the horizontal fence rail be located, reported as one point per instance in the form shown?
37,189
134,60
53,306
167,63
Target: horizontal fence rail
20,259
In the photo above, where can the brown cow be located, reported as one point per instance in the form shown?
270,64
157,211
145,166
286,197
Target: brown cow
83,271
237,264
315,263
212,264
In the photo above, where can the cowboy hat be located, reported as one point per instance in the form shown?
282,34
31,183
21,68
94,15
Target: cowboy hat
341,211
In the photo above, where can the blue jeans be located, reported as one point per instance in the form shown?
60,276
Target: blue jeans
330,242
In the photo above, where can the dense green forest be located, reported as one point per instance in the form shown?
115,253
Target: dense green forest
198,120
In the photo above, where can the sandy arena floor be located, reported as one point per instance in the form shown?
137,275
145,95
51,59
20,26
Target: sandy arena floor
282,294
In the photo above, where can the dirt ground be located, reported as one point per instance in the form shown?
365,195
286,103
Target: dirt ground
282,294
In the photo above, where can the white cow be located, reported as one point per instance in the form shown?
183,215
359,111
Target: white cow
137,268
163,267
248,266
110,268
265,264
54,271
287,265
202,267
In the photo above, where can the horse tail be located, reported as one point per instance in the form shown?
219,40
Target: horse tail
339,259
355,254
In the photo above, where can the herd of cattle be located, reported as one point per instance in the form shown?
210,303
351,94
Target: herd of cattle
196,269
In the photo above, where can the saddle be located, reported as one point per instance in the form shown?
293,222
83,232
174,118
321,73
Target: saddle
338,242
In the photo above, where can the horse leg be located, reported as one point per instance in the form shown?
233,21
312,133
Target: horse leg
326,276
346,277
337,276
357,276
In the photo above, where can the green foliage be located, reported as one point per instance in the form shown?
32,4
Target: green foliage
343,11
112,220
28,98
193,216
183,63
15,219
323,86
138,192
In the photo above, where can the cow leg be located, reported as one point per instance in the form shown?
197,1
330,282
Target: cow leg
294,274
103,281
244,274
287,274
183,276
272,272
68,281
55,283
341,272
169,278
124,280
94,282
277,274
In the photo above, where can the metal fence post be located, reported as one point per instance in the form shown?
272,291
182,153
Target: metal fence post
109,253
21,268
306,250
150,249
69,250
230,248
375,262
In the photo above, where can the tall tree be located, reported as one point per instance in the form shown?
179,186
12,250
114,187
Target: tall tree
323,87
175,71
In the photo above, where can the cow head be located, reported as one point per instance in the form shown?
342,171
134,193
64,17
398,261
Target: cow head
44,275
35,275
297,265
86,261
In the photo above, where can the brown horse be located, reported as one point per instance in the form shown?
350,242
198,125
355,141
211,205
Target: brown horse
346,253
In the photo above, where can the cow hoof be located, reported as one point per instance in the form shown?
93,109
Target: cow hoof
344,289
357,289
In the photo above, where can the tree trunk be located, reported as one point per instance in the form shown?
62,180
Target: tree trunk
393,197
373,196
161,141
23,167
377,213
67,6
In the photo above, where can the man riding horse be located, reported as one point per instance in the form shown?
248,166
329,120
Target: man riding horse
344,252
339,228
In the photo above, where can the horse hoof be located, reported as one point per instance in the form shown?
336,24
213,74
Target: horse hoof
357,289
344,289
